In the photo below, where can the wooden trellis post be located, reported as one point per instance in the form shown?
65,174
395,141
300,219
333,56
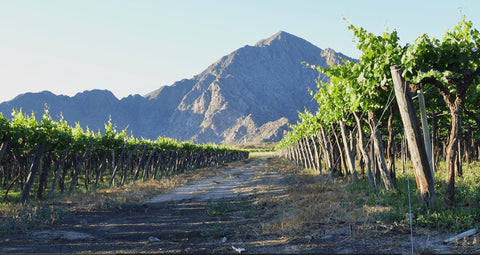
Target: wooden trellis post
416,146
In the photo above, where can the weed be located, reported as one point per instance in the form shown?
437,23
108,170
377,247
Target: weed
16,218
463,216
219,208
23,218
216,229
247,208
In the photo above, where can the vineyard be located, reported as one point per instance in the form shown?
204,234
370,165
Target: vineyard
48,159
403,119
367,124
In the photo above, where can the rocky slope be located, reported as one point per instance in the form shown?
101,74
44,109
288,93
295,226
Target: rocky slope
247,97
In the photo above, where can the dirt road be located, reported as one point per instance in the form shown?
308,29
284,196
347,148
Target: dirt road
222,214
191,218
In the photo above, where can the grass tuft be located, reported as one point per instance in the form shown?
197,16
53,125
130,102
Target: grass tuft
219,208
393,207
24,218
15,218
312,201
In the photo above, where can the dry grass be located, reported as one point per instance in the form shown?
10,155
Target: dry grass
262,154
313,202
21,218
141,191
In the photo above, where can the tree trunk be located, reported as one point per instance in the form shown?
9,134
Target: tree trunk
44,171
435,147
127,164
304,155
5,197
361,162
455,103
296,151
100,170
458,165
58,171
139,165
310,154
158,164
339,146
379,155
452,158
36,164
117,165
3,149
391,147
364,153
317,155
327,152
78,168
466,146
147,164
348,153
353,145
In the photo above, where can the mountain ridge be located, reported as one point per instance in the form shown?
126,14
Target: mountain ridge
248,96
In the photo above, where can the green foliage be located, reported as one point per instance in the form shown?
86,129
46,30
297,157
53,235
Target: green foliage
217,229
248,209
219,208
379,53
361,86
22,219
340,96
452,65
23,134
307,126
365,85
222,207
455,219
451,61
449,57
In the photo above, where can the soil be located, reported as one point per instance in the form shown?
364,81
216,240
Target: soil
222,214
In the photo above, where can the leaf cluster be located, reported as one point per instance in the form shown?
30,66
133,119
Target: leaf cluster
24,133
445,59
366,85
352,86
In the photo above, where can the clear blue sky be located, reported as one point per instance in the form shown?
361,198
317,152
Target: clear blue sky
137,46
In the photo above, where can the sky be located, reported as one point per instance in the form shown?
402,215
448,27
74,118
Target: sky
138,46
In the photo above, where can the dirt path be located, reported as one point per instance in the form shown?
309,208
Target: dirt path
191,218
238,183
214,215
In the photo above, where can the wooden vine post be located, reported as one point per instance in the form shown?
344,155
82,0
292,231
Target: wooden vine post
34,168
416,146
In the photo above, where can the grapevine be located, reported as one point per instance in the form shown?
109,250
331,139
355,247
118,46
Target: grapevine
55,158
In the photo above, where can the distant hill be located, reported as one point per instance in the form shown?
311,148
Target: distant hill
246,97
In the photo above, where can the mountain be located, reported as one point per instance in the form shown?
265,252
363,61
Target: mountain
247,97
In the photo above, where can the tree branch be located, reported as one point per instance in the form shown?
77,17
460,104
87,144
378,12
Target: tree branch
473,116
442,89
415,87
469,75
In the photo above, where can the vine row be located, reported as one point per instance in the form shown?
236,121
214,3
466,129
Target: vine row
54,158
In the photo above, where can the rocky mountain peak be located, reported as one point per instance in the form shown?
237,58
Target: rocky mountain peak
280,37
331,57
248,96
